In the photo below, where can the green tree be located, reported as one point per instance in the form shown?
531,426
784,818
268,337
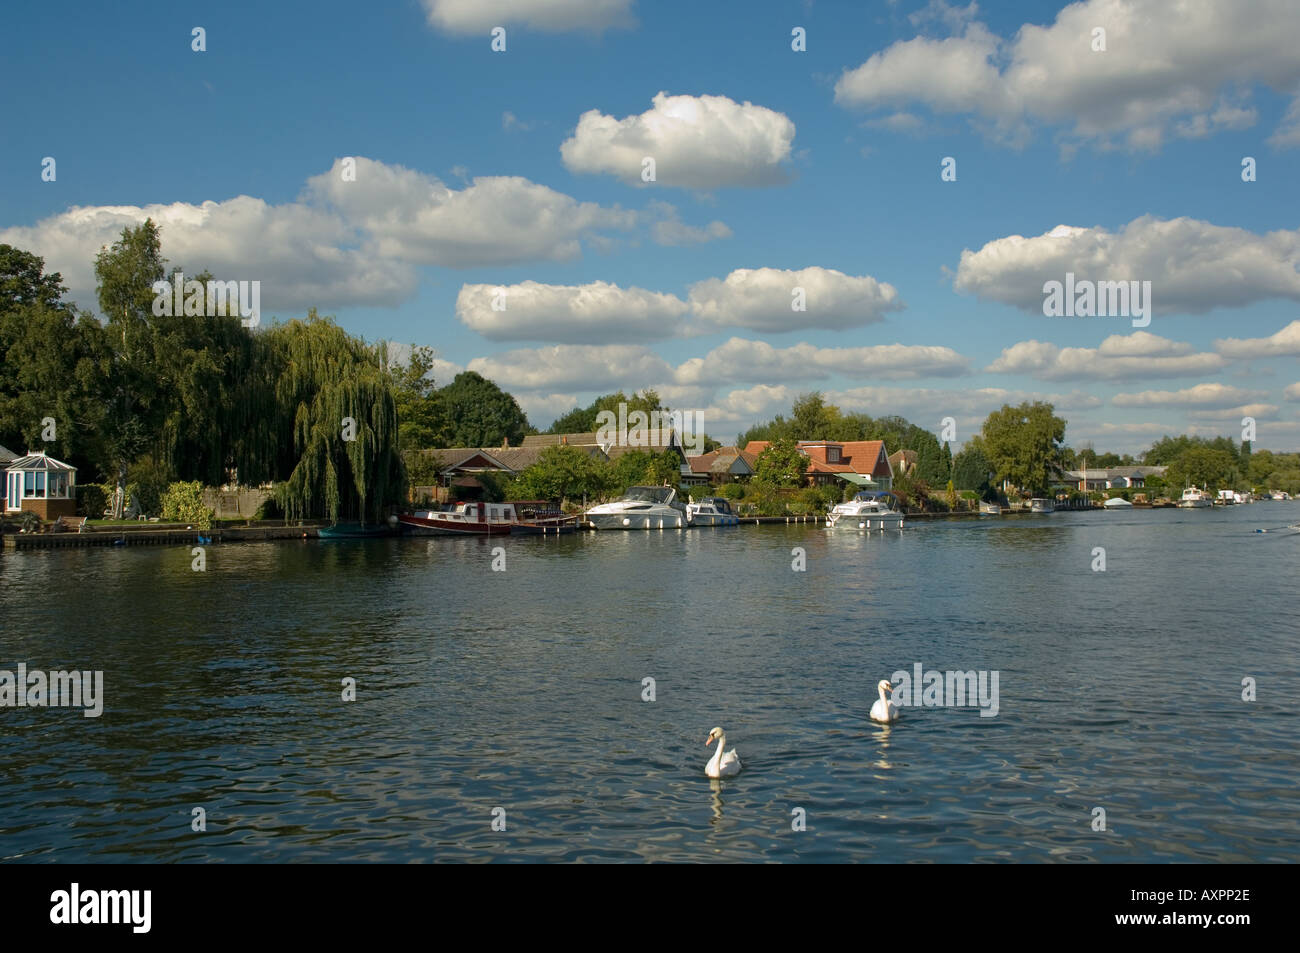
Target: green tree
336,398
1024,444
583,419
421,416
479,413
126,273
561,473
23,281
1211,468
213,417
781,464
812,418
970,468
52,358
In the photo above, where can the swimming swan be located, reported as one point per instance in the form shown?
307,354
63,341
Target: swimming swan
884,709
721,765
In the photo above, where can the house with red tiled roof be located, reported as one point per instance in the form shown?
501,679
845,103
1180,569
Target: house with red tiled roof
860,462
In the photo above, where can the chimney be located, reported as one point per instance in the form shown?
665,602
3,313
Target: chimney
505,443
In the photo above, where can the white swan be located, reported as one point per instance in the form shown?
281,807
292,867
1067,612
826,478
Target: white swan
721,765
884,709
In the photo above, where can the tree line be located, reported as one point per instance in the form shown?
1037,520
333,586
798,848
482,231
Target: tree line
143,400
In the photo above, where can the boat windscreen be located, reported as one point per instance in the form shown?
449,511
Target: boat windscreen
649,494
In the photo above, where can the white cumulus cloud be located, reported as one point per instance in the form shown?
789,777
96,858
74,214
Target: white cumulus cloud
496,220
1119,357
302,255
1205,395
595,313
1169,68
1284,343
697,142
547,16
1193,266
743,361
573,367
763,299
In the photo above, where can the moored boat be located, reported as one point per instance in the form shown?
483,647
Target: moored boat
1117,503
1195,498
641,507
990,509
711,511
1041,504
467,519
867,510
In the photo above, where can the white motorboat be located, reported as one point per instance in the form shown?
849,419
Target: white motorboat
1195,498
1040,504
641,507
1117,503
869,510
711,511
990,509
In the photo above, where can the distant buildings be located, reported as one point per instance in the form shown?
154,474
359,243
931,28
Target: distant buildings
860,462
1109,478
460,467
724,465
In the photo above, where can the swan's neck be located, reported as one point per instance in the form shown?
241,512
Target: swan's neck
884,699
717,756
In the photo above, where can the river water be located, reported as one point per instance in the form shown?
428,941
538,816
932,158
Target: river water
516,699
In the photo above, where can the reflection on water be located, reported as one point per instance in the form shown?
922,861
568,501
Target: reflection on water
522,690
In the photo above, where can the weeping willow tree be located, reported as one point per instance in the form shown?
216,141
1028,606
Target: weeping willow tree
336,399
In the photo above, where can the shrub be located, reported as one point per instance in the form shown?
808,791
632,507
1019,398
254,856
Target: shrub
808,501
832,494
147,484
91,501
183,502
270,509
733,491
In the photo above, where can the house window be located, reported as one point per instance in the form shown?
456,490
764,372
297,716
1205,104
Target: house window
15,488
832,454
40,484
29,484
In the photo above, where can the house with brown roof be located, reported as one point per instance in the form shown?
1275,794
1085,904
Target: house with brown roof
860,462
903,462
666,440
724,465
460,467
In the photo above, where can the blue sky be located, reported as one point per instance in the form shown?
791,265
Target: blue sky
822,167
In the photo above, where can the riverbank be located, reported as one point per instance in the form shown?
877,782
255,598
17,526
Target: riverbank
147,534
